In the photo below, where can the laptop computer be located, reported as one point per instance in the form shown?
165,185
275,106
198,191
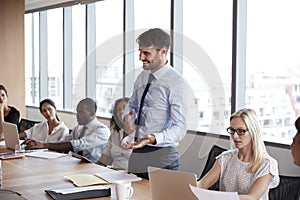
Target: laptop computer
11,136
169,184
83,158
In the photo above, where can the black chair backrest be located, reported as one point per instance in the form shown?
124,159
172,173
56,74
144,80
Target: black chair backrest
214,151
288,189
26,124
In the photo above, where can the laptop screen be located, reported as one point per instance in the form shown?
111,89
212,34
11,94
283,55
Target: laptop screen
11,136
169,184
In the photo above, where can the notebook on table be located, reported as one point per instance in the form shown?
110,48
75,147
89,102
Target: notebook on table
106,177
169,184
79,192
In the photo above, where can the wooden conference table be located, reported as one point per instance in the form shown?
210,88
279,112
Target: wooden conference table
32,176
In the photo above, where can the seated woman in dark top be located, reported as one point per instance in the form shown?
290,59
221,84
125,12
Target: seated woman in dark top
295,146
7,113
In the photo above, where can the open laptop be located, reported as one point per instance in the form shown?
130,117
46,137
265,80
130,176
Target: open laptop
169,184
83,158
11,135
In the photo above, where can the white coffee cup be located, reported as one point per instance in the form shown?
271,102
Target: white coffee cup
124,190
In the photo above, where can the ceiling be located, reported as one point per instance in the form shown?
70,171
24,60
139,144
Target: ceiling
37,5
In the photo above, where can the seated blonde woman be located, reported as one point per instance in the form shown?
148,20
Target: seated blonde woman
248,169
51,130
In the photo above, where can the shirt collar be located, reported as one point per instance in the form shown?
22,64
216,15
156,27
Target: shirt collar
159,73
91,123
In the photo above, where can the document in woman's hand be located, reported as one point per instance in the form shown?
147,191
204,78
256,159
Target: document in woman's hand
204,194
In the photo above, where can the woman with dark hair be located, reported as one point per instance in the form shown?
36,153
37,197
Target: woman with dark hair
114,153
7,113
295,146
52,130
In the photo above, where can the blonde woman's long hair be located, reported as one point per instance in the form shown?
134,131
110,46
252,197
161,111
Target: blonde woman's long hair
258,147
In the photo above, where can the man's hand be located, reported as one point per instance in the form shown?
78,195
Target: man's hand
129,125
147,139
32,144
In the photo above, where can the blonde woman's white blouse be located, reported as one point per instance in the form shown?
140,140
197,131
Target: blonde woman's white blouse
235,178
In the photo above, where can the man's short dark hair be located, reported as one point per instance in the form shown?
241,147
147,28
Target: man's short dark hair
92,105
297,124
156,37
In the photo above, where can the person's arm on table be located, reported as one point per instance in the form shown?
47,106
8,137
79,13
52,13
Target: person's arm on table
61,146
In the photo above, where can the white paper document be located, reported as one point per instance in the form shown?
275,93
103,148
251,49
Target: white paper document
113,176
45,154
203,194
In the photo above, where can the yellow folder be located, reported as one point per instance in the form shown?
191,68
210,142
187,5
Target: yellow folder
85,179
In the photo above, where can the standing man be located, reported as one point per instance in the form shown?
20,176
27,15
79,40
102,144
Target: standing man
88,138
156,112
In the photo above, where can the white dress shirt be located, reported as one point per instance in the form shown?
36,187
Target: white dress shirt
92,143
39,132
165,106
116,151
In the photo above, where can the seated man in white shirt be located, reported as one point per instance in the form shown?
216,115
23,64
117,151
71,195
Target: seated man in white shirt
89,137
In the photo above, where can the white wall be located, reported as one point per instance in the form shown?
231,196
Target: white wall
12,53
193,148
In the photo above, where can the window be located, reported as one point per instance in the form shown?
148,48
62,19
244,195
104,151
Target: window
208,25
81,49
143,21
55,55
32,59
273,65
109,54
78,53
159,17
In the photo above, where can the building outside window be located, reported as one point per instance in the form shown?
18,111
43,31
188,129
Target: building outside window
272,58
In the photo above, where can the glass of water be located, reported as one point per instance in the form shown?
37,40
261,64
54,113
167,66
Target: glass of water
19,149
